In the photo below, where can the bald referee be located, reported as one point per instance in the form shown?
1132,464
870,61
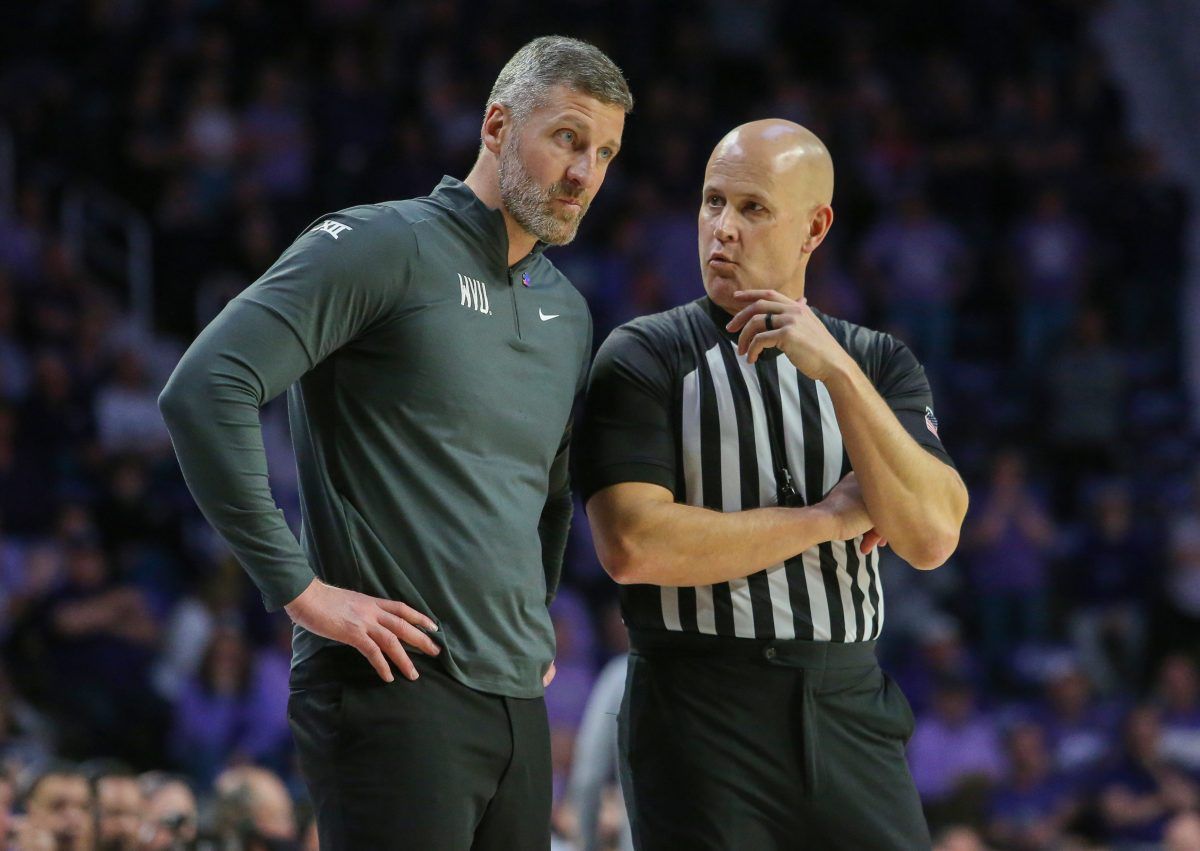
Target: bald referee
743,456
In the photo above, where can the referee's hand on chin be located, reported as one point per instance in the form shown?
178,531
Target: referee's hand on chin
377,628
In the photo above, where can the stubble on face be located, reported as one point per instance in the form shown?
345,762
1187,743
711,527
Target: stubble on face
533,207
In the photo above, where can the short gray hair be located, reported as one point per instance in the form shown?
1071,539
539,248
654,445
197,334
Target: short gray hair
556,60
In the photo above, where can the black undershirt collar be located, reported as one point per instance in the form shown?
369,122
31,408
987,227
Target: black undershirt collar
720,317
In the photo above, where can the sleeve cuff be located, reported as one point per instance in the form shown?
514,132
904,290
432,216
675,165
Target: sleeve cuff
277,597
627,471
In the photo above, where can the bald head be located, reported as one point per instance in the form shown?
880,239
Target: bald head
766,207
790,157
248,794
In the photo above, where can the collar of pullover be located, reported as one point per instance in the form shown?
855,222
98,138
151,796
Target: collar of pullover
487,224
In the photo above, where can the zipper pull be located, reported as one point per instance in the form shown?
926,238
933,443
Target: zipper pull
787,491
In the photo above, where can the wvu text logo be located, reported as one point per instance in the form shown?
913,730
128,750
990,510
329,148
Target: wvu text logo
474,294
331,227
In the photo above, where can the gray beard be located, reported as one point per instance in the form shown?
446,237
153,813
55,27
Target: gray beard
531,206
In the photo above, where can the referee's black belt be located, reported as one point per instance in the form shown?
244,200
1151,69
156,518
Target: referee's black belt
787,652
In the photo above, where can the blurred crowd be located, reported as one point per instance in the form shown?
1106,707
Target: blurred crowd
991,210
104,805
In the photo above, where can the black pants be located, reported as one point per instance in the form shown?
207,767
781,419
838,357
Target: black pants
732,744
429,764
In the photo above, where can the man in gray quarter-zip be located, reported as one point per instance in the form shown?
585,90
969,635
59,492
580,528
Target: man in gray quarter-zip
742,456
431,355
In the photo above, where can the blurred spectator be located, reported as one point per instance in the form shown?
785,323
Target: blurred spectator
59,805
1043,146
1031,808
90,353
26,743
190,624
36,571
1109,590
8,798
119,807
594,794
829,288
268,739
1010,540
455,124
140,531
953,744
56,420
14,364
22,236
958,838
149,145
210,143
960,155
891,166
55,304
170,817
1085,388
26,487
567,696
1142,214
127,418
96,634
254,811
12,576
1080,730
1182,587
668,244
1140,795
941,654
211,716
274,134
1183,833
1050,253
917,263
352,117
1178,702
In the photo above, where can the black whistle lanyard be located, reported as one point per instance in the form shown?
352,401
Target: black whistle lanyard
785,488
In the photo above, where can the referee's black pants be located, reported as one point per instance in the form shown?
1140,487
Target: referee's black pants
736,744
430,765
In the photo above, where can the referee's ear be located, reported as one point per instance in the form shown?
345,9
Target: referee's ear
818,228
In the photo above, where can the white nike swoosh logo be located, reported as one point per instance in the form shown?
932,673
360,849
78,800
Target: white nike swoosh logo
545,316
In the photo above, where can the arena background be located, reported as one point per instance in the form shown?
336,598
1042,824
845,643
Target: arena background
1015,186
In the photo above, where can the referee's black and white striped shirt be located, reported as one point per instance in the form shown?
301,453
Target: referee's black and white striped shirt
670,402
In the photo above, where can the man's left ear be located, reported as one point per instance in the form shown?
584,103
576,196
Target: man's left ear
818,228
